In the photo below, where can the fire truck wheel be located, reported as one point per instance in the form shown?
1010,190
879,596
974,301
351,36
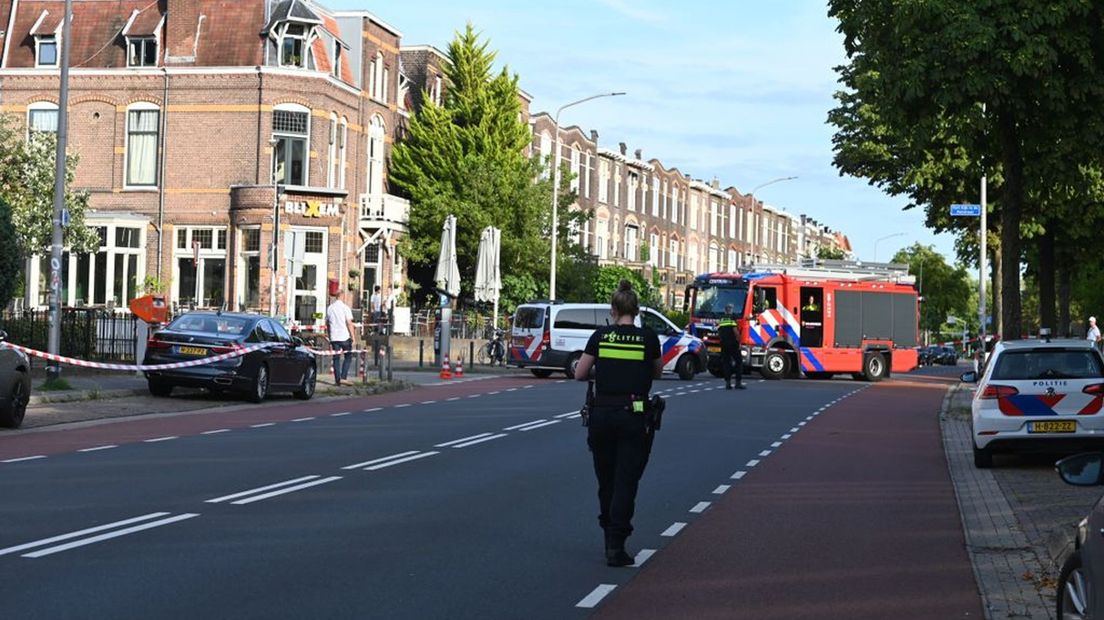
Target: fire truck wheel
775,365
685,368
874,367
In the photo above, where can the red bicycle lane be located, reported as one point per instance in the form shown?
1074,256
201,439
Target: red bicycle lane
853,517
45,441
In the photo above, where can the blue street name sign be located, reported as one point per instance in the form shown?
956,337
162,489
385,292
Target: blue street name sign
965,210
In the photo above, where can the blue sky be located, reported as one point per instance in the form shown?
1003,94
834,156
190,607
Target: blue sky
734,89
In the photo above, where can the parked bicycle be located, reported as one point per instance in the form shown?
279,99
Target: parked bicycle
493,352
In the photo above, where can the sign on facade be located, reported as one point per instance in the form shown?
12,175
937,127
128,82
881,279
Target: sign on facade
312,208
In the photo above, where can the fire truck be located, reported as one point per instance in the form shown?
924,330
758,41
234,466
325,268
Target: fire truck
818,320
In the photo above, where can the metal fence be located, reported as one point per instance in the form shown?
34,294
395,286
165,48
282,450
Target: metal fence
93,334
465,324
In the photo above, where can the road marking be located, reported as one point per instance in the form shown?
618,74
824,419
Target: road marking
675,528
526,387
98,448
285,490
761,381
738,475
577,415
700,507
380,460
752,463
400,461
475,441
264,425
302,419
801,424
794,429
642,557
542,425
765,453
777,444
786,436
694,391
721,490
340,415
520,426
373,410
216,431
429,402
456,441
402,405
492,393
219,500
109,535
91,530
591,600
808,418
512,390
454,398
157,439
474,395
566,415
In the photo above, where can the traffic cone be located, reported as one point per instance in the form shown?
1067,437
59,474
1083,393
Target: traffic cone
446,370
460,367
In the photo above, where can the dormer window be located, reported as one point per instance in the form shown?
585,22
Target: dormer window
46,51
293,46
337,59
141,52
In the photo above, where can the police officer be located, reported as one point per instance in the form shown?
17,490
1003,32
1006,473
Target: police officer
730,349
625,359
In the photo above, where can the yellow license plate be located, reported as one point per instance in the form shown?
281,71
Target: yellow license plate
714,349
1061,426
192,351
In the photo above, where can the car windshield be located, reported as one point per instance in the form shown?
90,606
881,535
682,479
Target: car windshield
710,300
530,317
1048,364
214,325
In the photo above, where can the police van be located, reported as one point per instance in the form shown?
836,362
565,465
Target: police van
550,337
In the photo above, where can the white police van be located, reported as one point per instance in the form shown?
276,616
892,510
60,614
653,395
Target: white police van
550,336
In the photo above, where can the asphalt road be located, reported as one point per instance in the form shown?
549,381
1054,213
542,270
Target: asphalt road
472,500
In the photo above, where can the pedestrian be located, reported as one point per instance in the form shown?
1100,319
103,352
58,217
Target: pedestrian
1094,332
339,326
732,361
625,359
376,304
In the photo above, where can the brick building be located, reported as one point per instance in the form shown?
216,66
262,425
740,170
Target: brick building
198,124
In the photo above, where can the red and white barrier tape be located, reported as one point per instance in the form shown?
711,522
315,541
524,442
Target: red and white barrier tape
133,367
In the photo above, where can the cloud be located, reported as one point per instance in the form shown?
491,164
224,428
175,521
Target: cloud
634,12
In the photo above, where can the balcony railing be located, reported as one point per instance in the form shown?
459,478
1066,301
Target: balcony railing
383,209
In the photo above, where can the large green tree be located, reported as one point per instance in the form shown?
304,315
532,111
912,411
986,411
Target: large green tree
10,266
946,289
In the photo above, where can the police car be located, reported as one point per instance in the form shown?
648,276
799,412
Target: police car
1038,395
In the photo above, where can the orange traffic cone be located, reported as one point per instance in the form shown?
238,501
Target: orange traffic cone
460,367
446,370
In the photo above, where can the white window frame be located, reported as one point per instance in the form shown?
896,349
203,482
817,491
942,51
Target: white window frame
212,253
632,183
56,40
331,162
631,242
142,106
586,179
243,269
305,39
714,214
653,249
617,185
603,181
343,149
576,157
295,107
337,55
675,259
41,106
318,260
145,41
37,264
376,82
377,144
655,197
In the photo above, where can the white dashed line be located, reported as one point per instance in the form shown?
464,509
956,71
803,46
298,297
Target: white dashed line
462,440
285,491
674,529
721,490
216,431
642,557
700,507
402,405
536,426
98,448
765,453
752,463
738,475
400,461
109,535
521,426
302,419
493,393
373,410
429,402
794,429
801,424
91,530
157,439
567,415
591,600
278,485
526,387
512,390
340,415
473,442
453,399
808,418
786,436
777,444
264,425
380,460
474,395
25,458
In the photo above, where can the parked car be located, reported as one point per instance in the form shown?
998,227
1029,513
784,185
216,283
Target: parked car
285,365
1081,580
1037,395
15,385
948,356
925,356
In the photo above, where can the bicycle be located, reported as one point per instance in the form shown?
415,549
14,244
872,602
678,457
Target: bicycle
493,352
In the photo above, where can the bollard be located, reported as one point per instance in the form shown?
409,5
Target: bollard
471,354
390,375
421,353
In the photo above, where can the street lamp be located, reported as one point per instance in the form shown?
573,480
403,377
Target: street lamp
751,195
881,239
556,187
275,231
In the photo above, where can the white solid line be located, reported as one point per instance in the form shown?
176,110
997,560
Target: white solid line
380,460
720,490
302,419
642,557
473,442
340,415
532,428
97,448
264,425
591,600
700,507
566,415
400,461
157,439
429,402
373,410
738,475
454,398
298,487
518,426
765,453
216,431
109,535
675,528
752,463
402,405
98,528
285,483
777,444
456,441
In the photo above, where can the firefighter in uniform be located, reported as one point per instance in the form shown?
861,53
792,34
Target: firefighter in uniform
731,359
625,359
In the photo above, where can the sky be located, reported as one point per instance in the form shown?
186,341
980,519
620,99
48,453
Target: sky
734,89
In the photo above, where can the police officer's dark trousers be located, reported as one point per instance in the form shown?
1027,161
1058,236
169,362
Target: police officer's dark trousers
732,364
620,444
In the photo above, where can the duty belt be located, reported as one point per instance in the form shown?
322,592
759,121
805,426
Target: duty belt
617,400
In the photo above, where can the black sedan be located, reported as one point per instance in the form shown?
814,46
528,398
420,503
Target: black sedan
284,365
15,386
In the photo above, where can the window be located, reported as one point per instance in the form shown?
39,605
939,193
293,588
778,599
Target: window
654,322
581,318
290,128
293,46
655,197
653,250
386,84
617,186
376,82
308,272
110,275
603,181
199,276
46,51
674,261
602,232
575,157
141,52
42,117
675,204
631,243
375,156
714,213
250,253
331,177
143,124
437,90
634,185
314,243
586,174
342,140
733,221
666,200
693,211
337,55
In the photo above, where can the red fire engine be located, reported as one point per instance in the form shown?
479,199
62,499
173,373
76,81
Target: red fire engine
832,318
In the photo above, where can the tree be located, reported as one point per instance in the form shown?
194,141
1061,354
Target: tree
467,157
946,289
609,277
830,252
10,268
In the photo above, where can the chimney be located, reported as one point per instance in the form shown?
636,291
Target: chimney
183,22
624,147
594,136
639,154
716,184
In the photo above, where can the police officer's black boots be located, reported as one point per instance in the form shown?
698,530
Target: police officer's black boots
728,384
615,551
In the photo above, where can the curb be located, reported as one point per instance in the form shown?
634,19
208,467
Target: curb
70,396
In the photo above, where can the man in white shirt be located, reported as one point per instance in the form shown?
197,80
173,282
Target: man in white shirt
1094,332
376,303
339,326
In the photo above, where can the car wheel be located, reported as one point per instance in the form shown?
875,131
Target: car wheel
260,385
775,365
160,389
1074,590
572,363
983,457
685,368
12,414
541,373
874,367
306,390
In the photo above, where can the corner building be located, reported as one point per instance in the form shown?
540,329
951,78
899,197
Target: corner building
201,125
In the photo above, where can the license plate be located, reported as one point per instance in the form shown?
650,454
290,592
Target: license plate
1060,426
714,349
192,351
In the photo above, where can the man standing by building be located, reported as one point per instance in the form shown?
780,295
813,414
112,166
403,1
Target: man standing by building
376,303
729,334
1094,332
339,326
